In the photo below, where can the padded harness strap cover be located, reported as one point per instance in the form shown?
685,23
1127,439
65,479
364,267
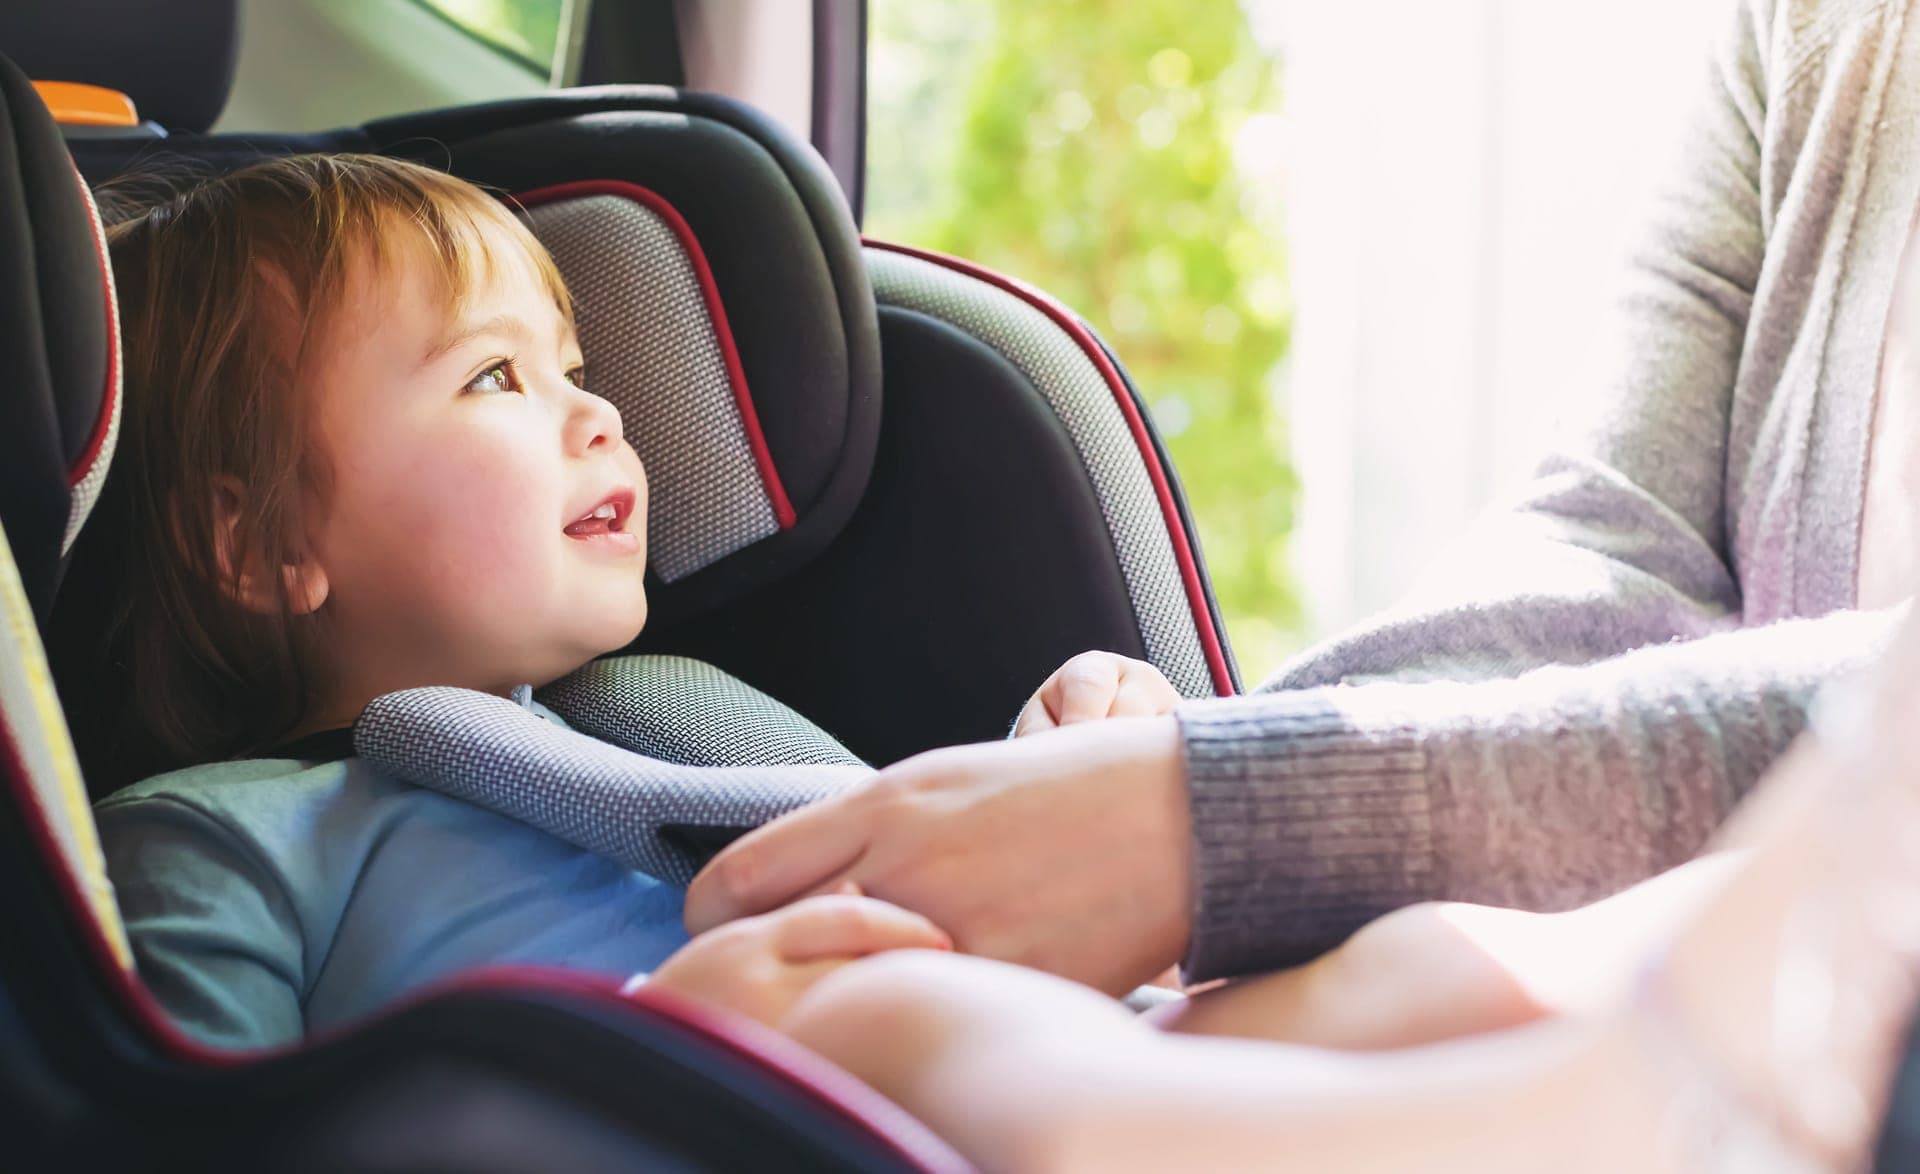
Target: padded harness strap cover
663,816
687,711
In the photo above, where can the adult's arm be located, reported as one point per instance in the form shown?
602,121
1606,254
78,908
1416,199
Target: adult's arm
1316,810
1093,851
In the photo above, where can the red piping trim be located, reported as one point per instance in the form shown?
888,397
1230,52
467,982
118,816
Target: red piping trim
84,465
1162,488
710,292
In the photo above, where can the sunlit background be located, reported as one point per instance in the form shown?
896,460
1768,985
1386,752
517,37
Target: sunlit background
1352,253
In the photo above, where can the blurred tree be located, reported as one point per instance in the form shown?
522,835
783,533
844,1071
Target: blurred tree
527,29
1089,147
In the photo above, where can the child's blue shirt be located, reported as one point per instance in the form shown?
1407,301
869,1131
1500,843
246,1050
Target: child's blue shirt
272,897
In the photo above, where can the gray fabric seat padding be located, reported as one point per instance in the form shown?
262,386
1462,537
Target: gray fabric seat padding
670,758
653,345
687,711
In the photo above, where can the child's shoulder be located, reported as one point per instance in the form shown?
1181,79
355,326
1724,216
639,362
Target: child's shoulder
301,828
209,776
270,804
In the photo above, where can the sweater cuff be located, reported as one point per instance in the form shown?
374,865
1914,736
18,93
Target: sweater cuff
1311,817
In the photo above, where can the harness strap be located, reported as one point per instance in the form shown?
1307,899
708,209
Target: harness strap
664,818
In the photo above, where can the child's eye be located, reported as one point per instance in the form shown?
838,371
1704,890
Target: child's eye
494,379
578,377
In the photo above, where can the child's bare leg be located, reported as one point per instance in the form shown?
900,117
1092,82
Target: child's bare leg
1023,1071
1441,971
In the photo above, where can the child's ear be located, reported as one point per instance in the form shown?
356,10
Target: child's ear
307,585
304,580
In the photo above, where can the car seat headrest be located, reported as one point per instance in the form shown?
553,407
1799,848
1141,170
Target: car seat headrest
654,328
59,369
175,60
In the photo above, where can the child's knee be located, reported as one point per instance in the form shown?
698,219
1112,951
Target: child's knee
867,1009
1440,970
916,1001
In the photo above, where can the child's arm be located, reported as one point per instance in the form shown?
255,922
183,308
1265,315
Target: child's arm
1095,685
215,934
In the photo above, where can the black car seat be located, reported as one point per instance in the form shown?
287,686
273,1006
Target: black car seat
891,489
500,1070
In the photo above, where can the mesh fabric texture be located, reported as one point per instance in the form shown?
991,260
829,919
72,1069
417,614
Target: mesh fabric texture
661,817
653,352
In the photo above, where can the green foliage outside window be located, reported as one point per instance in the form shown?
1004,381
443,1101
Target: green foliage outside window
527,29
1088,147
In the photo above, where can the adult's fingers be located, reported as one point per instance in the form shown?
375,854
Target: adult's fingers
845,926
772,865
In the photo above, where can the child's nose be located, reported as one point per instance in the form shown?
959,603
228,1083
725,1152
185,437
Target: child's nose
592,424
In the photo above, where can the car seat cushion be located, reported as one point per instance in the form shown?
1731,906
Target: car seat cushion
33,732
1146,530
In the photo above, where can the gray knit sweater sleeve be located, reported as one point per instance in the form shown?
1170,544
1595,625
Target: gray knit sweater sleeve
1317,810
1569,703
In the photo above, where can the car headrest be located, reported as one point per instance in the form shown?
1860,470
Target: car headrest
59,352
723,303
175,60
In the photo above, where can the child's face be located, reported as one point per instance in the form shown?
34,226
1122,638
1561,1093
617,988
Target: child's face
467,537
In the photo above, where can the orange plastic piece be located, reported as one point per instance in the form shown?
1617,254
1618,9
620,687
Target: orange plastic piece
78,104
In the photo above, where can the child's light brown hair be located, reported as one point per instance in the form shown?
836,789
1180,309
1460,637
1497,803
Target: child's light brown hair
230,292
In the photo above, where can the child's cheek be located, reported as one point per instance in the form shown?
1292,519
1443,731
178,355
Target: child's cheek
503,529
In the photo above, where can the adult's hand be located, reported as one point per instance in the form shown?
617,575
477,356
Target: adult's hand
1069,851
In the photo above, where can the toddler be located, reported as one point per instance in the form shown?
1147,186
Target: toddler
358,455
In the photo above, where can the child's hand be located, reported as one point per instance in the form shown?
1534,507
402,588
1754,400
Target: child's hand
1094,685
759,966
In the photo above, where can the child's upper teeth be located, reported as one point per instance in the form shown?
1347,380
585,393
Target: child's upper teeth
605,511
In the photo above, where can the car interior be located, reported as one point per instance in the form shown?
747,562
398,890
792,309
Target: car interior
861,452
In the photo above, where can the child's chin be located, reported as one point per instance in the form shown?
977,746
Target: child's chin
626,632
608,628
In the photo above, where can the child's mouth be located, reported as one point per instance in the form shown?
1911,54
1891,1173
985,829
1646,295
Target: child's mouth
605,524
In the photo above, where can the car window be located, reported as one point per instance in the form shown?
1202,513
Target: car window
1121,157
526,29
